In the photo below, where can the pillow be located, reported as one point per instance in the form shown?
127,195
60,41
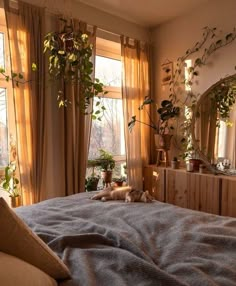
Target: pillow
17,239
14,271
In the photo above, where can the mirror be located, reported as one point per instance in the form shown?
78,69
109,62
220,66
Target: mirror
213,126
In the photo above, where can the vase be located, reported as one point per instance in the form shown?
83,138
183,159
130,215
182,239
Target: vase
163,141
15,201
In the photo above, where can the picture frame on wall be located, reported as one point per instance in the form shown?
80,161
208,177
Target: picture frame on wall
166,72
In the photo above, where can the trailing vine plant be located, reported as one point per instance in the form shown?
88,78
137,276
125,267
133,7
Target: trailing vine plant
69,55
223,96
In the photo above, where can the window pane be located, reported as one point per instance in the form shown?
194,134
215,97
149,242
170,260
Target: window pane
2,58
108,133
108,71
3,129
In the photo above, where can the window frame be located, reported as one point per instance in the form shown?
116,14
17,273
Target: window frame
114,92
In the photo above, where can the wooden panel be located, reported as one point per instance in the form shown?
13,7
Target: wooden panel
203,192
154,181
176,187
228,201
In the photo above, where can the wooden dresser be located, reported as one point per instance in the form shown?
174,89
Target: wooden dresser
202,192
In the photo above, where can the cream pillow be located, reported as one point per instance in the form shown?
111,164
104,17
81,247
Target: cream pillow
14,271
17,239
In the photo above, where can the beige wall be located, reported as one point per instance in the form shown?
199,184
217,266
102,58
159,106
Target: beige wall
103,20
172,39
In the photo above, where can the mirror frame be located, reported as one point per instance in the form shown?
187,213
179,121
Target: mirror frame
196,147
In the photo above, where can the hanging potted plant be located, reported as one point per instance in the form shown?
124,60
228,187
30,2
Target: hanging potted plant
164,127
69,60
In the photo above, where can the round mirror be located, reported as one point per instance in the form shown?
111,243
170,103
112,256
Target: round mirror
213,126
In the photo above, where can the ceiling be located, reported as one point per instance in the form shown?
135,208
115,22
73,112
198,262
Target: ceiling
146,13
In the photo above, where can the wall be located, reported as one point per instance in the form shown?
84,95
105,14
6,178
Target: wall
172,39
93,16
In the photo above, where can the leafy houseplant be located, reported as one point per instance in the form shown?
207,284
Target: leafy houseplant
10,182
165,112
69,55
91,182
164,127
119,181
106,163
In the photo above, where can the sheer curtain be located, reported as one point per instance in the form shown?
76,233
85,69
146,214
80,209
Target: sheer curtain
135,86
52,143
25,30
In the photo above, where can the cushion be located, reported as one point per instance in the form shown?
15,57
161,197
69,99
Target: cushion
14,271
17,239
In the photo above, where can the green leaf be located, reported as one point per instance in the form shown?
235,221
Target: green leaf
34,67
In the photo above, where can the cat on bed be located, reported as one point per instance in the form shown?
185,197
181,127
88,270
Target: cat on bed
123,193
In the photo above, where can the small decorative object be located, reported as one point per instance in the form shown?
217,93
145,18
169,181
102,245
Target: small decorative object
166,72
202,168
189,166
10,184
175,163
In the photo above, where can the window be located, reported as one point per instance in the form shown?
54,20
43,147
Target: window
6,101
108,133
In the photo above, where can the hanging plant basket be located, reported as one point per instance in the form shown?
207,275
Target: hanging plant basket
69,60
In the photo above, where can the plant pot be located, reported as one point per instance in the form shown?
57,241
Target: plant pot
175,164
92,185
163,141
106,177
15,201
195,164
119,183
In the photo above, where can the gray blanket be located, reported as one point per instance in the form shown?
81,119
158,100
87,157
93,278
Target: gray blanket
116,244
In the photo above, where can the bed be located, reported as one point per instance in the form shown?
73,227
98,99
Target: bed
117,243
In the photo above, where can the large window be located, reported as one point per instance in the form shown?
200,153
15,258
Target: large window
108,133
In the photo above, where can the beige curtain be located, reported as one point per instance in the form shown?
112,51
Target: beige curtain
76,129
25,29
135,86
52,142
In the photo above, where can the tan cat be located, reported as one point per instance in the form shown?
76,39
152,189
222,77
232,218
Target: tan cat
123,193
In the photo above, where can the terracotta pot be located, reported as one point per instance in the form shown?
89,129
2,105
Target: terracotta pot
15,202
163,141
106,177
195,163
119,183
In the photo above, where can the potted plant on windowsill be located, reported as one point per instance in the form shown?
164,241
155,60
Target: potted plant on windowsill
119,181
164,127
106,163
10,184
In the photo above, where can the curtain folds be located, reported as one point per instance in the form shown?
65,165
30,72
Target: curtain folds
77,128
25,29
52,143
135,86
